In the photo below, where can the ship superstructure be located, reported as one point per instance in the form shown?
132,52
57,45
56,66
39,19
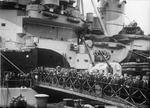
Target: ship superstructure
59,26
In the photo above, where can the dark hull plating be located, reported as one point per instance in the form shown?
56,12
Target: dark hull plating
28,60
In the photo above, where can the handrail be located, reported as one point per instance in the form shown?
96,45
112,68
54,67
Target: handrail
94,86
18,83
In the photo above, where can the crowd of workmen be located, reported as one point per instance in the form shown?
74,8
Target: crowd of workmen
82,80
136,87
138,81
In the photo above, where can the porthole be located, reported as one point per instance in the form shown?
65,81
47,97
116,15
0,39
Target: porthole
3,24
85,60
70,58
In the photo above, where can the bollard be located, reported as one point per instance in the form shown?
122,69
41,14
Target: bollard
77,103
41,100
68,102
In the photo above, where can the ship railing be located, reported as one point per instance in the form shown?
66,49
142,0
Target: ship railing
90,85
18,83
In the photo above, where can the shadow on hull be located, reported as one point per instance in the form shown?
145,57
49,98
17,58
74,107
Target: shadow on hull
28,60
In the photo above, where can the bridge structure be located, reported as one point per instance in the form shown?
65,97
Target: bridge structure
92,87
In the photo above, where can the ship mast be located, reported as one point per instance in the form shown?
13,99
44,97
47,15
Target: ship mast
99,18
80,6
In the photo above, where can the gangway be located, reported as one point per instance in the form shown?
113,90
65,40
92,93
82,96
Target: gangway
93,89
106,100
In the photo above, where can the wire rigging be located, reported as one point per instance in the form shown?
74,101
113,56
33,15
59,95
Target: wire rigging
12,63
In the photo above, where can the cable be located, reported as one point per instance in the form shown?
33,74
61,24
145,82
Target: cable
12,63
142,55
88,51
